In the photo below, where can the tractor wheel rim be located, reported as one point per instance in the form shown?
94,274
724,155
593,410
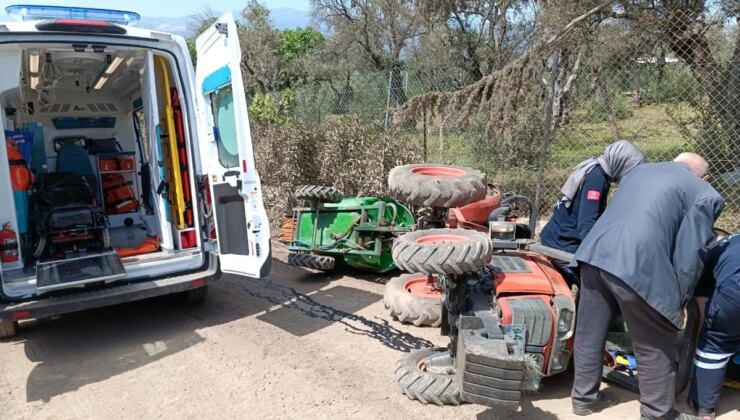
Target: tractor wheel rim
439,171
420,287
441,239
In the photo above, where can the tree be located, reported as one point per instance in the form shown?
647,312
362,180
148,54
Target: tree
686,28
488,35
296,47
502,93
382,29
260,43
197,24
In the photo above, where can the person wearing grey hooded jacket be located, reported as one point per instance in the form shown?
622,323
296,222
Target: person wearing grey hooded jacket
642,259
583,199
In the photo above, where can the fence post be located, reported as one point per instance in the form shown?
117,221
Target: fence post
546,135
388,101
425,132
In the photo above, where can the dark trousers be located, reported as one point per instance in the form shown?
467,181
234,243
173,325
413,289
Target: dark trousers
603,297
718,341
570,274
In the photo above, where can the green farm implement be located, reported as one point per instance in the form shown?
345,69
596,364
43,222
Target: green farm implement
356,230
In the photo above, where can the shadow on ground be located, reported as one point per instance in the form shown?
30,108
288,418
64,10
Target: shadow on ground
525,411
88,347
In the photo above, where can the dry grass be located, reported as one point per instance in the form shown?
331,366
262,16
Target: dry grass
342,152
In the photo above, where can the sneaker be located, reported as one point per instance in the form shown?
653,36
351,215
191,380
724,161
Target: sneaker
702,413
604,401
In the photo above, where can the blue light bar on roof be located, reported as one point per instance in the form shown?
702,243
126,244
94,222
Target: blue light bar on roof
28,12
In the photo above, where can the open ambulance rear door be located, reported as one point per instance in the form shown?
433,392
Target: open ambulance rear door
242,227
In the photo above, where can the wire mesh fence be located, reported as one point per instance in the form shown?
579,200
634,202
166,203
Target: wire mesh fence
664,102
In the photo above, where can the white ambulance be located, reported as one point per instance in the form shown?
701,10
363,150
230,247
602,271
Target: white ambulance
127,173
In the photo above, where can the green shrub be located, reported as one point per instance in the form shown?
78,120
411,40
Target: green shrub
595,108
676,83
271,108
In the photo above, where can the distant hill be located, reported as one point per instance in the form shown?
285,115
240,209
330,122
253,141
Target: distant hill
282,18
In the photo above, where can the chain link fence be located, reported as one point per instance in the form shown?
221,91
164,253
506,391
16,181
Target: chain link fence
664,102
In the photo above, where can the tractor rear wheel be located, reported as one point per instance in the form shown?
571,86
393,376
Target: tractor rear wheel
434,185
442,251
426,387
317,262
318,193
411,300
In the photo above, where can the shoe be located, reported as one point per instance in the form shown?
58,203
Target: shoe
605,400
674,415
702,413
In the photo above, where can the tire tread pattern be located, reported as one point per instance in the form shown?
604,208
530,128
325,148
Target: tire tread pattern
318,193
436,191
427,388
458,258
409,308
316,262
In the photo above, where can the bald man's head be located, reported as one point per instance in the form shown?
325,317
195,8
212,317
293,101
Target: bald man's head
696,163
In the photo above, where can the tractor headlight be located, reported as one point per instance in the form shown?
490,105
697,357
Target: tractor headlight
565,321
502,230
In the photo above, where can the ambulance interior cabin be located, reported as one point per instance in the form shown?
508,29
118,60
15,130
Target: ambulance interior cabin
89,201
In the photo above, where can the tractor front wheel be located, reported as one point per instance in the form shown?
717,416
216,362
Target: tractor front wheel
411,298
424,385
442,251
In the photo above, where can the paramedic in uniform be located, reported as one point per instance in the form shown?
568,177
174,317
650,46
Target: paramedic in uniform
583,200
720,334
643,258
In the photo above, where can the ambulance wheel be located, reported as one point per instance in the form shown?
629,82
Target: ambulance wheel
687,338
8,329
196,295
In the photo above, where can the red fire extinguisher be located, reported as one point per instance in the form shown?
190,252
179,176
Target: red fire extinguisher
8,245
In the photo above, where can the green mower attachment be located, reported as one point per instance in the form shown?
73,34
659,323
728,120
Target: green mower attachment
358,230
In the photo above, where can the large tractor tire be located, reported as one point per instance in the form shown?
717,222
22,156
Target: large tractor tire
318,193
442,251
426,387
317,262
433,185
411,300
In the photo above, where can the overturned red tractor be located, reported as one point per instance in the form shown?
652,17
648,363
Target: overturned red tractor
477,274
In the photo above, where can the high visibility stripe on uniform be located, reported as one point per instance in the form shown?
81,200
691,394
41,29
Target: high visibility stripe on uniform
713,356
711,366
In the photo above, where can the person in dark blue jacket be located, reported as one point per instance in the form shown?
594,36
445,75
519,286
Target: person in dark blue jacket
720,335
583,200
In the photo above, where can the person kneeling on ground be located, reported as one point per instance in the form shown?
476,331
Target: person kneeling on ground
720,335
583,200
643,259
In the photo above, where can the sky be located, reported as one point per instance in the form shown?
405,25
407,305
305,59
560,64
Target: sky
173,15
165,8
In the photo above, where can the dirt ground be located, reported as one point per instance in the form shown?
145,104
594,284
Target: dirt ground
299,344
